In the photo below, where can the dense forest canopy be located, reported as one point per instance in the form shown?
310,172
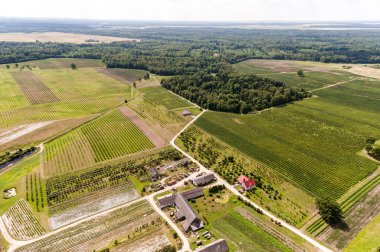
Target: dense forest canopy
229,91
186,50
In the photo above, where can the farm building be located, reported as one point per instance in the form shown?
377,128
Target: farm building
186,113
216,246
246,183
154,174
185,212
204,179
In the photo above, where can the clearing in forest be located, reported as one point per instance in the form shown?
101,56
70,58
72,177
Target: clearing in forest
34,89
21,222
148,132
313,143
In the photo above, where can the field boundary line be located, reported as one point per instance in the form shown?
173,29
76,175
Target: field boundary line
335,84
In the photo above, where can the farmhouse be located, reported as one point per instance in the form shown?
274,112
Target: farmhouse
216,246
246,183
185,212
186,113
154,174
204,179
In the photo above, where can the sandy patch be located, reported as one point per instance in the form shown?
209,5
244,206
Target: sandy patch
366,71
20,131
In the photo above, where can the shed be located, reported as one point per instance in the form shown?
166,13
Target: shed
186,113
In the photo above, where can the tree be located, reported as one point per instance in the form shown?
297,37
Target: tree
134,84
371,140
16,65
330,211
7,66
300,73
146,76
73,66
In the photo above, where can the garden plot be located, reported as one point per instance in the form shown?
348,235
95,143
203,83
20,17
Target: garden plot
97,232
152,242
91,207
21,223
34,89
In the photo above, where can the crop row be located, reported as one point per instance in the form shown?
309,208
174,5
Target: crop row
57,110
108,137
21,222
11,96
119,220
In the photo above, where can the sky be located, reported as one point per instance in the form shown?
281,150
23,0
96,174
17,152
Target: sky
196,10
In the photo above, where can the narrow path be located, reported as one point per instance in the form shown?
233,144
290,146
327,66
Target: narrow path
333,85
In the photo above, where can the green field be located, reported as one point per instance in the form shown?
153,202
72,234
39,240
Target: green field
110,136
61,63
162,97
317,75
11,96
313,142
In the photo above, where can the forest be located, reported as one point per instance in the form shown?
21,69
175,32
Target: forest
229,91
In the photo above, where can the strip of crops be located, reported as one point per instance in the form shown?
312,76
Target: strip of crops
313,143
81,83
21,222
11,96
34,89
58,110
111,224
161,96
113,136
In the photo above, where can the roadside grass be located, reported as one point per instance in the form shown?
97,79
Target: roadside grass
368,239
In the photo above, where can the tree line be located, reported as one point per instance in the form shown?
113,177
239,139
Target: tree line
229,91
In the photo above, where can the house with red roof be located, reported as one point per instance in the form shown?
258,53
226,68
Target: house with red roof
246,183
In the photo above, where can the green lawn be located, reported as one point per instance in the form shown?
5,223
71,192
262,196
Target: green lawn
313,142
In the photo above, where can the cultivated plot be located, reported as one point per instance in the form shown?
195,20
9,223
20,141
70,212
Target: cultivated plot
314,142
11,96
21,222
105,138
33,88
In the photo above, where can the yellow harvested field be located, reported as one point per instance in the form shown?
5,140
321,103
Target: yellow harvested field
366,71
60,37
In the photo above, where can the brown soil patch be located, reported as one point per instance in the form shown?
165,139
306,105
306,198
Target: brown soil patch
293,66
34,89
61,37
365,71
45,133
356,218
148,132
125,75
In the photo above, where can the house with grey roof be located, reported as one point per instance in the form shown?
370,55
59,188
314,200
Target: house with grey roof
204,179
185,213
216,246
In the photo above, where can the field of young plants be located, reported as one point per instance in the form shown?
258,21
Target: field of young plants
102,230
313,143
11,96
110,136
21,222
